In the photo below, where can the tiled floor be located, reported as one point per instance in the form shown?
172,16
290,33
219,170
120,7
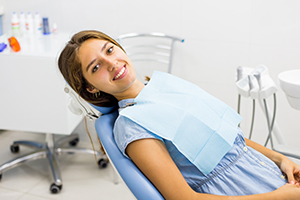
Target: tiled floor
82,179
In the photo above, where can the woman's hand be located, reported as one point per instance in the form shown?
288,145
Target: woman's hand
292,171
288,191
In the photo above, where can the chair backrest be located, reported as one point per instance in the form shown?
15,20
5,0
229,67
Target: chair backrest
149,51
135,180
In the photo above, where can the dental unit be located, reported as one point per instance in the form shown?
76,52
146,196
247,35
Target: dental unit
255,83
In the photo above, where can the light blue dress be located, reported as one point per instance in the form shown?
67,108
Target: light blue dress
242,171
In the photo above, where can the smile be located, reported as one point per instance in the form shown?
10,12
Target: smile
120,73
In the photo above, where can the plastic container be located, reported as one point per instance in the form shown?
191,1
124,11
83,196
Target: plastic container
15,22
46,30
22,22
54,28
29,23
37,23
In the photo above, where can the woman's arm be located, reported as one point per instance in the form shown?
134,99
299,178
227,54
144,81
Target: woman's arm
153,159
274,156
291,169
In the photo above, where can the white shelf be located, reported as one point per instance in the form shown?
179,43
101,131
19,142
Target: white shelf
31,86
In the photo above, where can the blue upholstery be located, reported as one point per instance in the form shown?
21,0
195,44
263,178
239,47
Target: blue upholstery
138,184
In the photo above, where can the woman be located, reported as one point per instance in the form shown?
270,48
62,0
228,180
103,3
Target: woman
98,69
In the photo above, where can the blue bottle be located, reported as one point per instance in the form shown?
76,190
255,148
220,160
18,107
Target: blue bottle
46,30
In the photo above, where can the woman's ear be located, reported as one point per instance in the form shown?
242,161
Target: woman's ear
92,90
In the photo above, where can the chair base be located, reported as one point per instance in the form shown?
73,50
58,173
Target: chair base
50,150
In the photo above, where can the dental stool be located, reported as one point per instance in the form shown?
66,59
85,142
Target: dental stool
49,150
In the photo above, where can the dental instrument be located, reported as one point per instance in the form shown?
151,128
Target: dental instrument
261,89
244,85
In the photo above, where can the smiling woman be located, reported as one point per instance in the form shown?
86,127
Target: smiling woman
92,62
107,68
71,68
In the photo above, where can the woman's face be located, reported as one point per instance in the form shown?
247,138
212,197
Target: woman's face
106,67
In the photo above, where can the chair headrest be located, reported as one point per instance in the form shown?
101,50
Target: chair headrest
79,106
105,110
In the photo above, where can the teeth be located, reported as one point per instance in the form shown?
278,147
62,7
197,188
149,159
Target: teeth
120,73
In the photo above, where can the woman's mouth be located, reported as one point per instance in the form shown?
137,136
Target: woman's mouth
120,73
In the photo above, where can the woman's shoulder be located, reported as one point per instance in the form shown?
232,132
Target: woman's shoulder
127,131
124,123
126,127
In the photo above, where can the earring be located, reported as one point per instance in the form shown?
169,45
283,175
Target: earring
97,94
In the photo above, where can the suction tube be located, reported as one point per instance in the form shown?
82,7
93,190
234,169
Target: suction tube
239,77
270,126
258,78
253,107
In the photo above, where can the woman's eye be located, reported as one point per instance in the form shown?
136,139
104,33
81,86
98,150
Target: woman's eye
110,50
95,68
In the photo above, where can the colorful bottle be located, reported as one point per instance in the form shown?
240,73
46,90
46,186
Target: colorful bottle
37,23
22,23
54,28
46,30
29,23
15,23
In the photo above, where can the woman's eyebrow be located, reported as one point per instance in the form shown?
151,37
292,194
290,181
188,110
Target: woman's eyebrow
102,49
87,68
104,46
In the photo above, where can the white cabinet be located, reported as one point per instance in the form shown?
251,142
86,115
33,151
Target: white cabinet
31,87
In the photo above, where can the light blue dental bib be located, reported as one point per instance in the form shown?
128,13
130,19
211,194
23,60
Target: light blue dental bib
202,127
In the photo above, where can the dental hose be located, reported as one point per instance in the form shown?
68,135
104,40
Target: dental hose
253,114
270,126
239,105
239,77
252,121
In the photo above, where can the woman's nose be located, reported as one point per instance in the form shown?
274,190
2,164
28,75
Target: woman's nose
111,65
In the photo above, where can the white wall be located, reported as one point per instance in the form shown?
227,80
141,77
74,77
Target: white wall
219,37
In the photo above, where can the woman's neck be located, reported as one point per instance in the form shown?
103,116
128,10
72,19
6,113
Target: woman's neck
132,91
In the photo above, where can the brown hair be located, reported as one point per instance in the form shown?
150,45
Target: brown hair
70,67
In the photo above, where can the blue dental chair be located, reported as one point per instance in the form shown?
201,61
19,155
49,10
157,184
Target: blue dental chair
104,118
138,184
